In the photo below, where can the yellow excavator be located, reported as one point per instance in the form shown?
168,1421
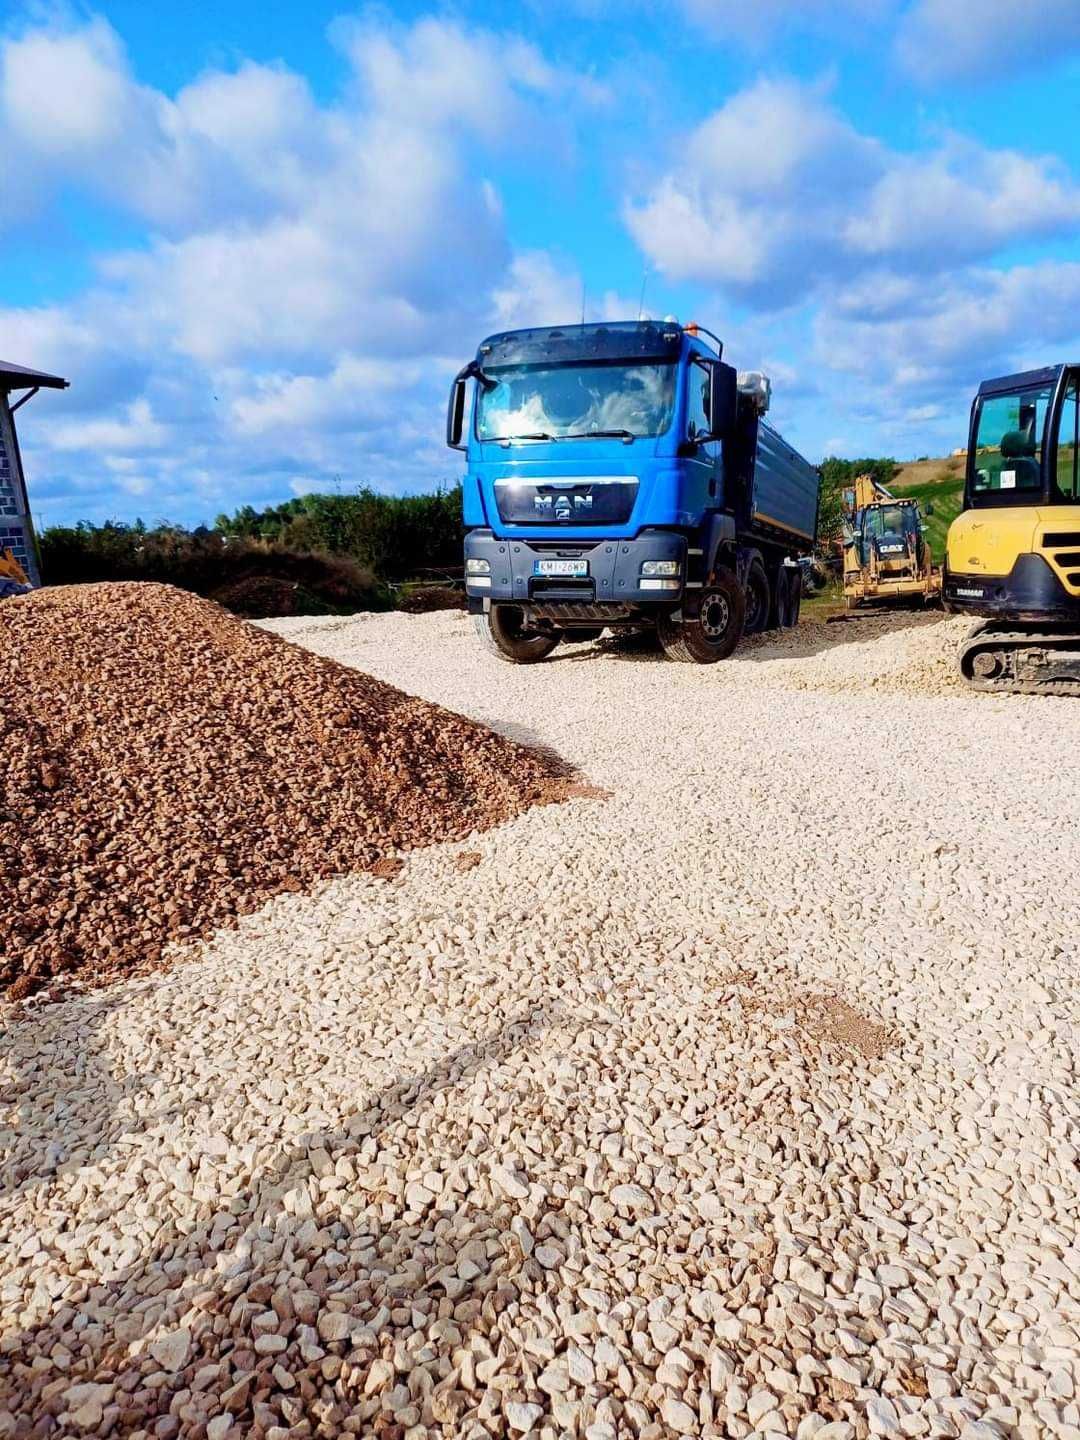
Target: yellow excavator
1013,552
886,554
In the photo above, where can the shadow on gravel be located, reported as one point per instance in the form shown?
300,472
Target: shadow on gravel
812,637
641,646
64,1096
343,1289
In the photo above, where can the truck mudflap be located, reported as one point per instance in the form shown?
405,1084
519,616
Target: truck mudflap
576,573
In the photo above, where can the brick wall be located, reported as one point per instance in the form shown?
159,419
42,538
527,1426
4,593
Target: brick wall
16,533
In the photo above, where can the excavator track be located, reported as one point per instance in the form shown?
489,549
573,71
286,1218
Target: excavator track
999,660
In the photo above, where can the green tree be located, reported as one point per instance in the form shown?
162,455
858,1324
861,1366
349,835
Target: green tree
836,476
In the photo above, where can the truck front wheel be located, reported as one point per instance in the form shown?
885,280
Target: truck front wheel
502,630
712,630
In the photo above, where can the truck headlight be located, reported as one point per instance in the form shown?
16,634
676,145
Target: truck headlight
477,567
660,567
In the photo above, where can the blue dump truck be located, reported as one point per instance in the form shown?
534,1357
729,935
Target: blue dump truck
622,475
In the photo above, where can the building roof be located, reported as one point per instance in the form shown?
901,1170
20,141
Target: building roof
18,377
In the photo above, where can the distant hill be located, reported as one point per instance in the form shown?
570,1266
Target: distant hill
936,482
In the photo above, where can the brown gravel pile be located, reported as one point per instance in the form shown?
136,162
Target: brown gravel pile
426,598
165,767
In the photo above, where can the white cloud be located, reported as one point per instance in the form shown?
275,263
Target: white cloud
986,42
312,275
540,290
989,40
136,430
357,390
961,200
65,93
777,196
762,22
245,144
536,291
935,341
435,74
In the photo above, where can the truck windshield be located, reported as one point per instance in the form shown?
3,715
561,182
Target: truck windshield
564,401
1008,441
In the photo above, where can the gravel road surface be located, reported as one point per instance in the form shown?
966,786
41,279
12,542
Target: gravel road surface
742,1102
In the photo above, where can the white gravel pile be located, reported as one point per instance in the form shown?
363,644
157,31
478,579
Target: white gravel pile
742,1103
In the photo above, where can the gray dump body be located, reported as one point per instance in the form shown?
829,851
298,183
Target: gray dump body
785,489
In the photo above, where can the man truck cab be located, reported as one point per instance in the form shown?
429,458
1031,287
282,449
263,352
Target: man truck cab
622,475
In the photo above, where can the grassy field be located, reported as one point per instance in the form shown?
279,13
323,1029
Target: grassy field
824,603
939,483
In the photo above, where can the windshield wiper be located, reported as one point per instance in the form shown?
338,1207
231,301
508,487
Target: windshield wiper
571,435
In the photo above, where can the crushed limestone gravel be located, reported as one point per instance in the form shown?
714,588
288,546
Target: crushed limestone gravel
741,1104
165,766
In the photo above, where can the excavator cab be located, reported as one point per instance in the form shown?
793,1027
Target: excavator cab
1013,553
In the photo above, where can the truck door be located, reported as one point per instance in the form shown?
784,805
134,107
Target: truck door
703,464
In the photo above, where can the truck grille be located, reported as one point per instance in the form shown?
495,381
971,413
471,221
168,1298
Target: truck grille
569,501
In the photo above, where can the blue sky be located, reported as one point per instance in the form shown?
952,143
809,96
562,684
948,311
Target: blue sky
259,240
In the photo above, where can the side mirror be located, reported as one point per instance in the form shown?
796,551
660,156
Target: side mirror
455,415
722,394
929,510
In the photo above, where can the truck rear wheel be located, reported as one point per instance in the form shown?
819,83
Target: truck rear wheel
502,630
788,599
713,630
758,599
781,599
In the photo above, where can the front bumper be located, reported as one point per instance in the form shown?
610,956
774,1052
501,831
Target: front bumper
1030,591
614,576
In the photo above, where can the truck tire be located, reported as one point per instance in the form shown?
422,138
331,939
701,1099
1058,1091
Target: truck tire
788,600
758,599
502,631
781,599
713,631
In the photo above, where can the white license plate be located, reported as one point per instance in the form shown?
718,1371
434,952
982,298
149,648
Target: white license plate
573,568
891,549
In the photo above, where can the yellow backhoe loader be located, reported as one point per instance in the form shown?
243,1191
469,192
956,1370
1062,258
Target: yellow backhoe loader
1013,552
13,578
886,554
